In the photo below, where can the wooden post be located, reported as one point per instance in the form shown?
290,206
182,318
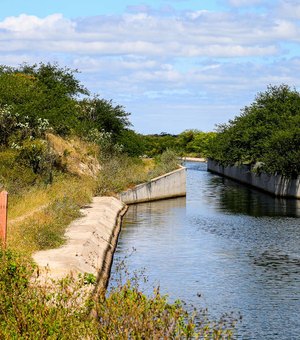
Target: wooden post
3,217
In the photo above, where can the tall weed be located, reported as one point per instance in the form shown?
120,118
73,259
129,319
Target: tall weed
29,310
166,162
120,172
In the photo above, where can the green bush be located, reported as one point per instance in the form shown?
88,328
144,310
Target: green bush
267,131
14,177
29,310
36,155
166,162
132,143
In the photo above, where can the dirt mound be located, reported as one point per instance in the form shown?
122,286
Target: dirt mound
77,156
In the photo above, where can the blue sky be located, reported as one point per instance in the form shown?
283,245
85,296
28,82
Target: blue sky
174,65
73,9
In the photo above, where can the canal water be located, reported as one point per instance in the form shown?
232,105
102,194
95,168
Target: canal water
226,247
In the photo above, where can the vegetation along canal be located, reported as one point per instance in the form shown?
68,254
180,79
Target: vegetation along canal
236,247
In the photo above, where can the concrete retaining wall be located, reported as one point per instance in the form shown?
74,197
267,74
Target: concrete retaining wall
91,242
172,184
276,185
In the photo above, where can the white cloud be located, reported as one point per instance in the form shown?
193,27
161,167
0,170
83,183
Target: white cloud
242,3
194,34
202,61
289,9
30,25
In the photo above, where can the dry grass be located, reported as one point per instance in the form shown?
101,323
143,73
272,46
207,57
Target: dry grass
78,157
122,172
39,210
38,216
37,219
42,196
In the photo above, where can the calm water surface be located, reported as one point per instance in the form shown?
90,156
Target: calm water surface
237,247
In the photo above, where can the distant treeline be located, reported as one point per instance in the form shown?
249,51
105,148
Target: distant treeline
188,143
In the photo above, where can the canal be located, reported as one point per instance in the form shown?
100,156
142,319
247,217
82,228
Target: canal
226,247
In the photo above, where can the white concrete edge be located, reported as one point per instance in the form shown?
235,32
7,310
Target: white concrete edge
157,178
145,193
91,243
194,159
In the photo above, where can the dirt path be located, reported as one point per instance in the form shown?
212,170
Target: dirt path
29,214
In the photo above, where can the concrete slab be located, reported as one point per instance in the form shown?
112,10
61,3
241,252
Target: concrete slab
169,185
91,241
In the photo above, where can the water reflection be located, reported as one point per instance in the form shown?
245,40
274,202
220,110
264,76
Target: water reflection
279,266
236,246
241,199
157,211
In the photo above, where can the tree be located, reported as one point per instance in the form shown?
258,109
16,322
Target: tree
132,143
195,142
103,115
42,91
157,144
266,131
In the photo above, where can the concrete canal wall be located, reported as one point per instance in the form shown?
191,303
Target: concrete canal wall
90,245
276,184
91,240
172,184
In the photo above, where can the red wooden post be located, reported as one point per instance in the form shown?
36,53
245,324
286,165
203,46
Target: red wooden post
3,217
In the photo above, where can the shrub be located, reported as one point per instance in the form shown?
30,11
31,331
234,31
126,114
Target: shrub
267,131
31,311
166,162
36,155
14,177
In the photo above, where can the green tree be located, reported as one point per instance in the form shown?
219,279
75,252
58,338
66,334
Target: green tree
103,115
158,143
132,142
185,138
266,131
42,91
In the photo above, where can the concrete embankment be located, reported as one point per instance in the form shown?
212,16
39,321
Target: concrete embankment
172,184
91,242
275,184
